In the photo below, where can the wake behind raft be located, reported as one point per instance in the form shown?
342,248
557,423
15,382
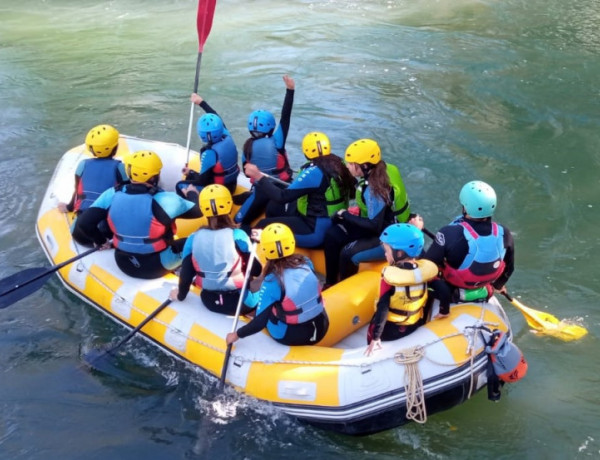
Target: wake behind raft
332,384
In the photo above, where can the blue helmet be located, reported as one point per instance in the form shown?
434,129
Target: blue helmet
210,128
404,237
261,121
478,199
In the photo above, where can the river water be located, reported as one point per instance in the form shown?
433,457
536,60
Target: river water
453,90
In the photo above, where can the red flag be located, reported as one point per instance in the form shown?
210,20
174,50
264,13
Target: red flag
206,11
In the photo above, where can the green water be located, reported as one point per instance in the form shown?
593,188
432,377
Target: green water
506,92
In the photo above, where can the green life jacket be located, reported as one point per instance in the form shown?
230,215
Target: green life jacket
323,205
401,205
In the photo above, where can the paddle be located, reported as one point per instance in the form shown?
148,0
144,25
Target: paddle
546,324
237,314
19,285
95,357
204,20
541,322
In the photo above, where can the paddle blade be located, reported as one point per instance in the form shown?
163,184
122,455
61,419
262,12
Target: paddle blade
204,20
546,324
104,362
22,284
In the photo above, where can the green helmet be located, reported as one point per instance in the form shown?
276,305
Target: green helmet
478,199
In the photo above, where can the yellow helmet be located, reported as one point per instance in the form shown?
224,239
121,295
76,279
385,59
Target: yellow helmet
101,140
143,165
277,241
315,145
363,151
215,200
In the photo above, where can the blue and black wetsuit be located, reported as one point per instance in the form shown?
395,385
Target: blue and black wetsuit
269,155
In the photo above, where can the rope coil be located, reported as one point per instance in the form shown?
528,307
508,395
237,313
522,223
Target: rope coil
413,383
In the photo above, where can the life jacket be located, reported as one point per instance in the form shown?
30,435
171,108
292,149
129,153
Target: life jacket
98,175
483,264
301,296
400,206
133,224
216,260
410,291
269,159
322,204
226,169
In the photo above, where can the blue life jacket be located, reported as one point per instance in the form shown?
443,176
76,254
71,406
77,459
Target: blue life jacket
226,170
98,175
269,159
133,224
301,297
216,260
484,262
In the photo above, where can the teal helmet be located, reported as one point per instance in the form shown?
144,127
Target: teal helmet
404,237
210,128
478,199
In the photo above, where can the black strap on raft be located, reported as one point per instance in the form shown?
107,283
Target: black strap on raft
494,384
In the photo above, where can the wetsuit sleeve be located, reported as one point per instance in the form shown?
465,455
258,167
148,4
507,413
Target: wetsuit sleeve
186,276
305,183
376,220
382,308
121,174
435,252
207,108
270,292
207,172
509,259
281,133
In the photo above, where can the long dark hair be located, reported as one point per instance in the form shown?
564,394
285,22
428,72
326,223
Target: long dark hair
336,168
379,182
277,266
219,222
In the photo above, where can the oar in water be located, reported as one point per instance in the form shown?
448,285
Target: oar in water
99,359
541,322
204,20
237,314
546,324
19,285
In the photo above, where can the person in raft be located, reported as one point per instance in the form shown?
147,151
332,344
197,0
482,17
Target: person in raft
218,155
217,255
141,217
355,238
265,148
290,305
95,175
475,254
403,292
323,187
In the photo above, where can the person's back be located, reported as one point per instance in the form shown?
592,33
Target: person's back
290,303
141,217
474,253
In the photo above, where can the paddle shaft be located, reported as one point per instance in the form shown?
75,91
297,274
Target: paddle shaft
237,314
134,331
49,271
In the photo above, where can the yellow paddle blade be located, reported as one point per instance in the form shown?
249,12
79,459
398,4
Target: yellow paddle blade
546,324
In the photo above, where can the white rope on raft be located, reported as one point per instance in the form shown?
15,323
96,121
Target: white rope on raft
413,383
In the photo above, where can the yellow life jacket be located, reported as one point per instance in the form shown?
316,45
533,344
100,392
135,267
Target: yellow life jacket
410,296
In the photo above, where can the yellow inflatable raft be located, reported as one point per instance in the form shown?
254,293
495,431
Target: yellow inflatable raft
332,384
